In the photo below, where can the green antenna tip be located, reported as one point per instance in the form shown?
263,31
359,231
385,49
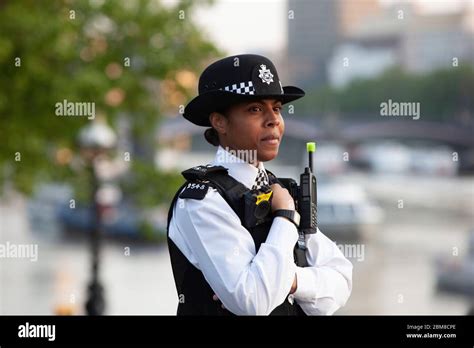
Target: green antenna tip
310,147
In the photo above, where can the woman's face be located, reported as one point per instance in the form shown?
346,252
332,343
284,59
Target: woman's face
256,125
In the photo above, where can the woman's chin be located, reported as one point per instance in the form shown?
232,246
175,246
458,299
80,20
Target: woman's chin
265,155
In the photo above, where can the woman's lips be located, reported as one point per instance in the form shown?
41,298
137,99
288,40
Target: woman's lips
271,140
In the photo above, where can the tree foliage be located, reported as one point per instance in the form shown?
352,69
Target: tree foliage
125,56
443,94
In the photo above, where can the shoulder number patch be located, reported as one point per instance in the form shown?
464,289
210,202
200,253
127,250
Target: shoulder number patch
195,191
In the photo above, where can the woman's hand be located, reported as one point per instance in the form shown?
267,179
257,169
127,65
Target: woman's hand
215,298
281,198
294,286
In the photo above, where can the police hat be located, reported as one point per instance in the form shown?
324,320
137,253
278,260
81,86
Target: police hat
235,79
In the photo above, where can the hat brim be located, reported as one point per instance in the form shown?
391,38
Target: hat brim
198,109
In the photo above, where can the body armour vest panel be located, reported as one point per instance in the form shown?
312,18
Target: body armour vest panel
194,293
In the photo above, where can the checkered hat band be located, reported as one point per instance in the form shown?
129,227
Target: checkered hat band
241,88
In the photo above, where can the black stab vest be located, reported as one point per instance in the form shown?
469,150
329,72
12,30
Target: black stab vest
194,293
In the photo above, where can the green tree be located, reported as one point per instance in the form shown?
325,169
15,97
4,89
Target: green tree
443,94
133,59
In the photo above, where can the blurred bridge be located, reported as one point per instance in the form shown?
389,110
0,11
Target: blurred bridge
460,139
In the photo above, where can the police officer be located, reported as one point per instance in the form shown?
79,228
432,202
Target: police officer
222,263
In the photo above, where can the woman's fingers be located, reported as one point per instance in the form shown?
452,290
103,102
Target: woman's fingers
215,298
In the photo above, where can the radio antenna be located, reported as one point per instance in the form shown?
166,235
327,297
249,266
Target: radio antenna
310,147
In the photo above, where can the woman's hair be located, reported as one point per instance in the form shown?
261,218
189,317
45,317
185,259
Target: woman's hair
211,134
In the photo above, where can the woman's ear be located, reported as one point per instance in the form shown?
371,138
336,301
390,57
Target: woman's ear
218,122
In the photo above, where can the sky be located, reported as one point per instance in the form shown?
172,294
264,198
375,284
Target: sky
243,25
239,26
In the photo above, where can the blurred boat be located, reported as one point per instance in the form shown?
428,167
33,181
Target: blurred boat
345,212
49,211
43,207
328,160
391,157
123,221
436,160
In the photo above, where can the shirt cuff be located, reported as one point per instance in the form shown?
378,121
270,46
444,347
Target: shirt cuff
306,289
283,234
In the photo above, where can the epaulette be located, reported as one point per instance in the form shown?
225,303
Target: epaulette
198,184
201,172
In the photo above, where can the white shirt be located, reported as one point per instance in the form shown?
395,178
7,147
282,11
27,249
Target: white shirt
212,238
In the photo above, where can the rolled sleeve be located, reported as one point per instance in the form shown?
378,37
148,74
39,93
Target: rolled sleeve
306,290
283,234
326,284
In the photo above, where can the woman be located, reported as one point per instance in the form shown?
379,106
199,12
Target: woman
227,256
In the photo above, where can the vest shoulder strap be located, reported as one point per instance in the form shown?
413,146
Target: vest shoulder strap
198,180
218,177
202,172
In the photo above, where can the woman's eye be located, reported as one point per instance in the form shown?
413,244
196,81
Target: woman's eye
255,109
278,108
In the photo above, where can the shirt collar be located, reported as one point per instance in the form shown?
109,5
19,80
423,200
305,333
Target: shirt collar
240,170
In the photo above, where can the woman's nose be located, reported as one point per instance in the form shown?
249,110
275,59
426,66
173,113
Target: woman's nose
273,119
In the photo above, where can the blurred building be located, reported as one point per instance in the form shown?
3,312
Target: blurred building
433,41
316,30
401,35
335,41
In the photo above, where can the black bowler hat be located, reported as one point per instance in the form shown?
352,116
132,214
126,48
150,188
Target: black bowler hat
235,79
